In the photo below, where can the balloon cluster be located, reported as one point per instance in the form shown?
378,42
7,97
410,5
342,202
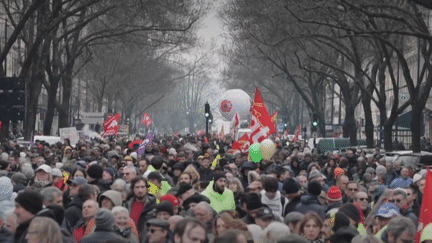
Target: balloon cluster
263,150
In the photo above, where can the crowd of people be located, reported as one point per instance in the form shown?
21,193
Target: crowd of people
190,189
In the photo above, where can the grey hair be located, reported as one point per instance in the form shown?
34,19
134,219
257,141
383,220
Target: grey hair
400,224
49,193
400,191
119,182
206,206
118,209
10,213
365,239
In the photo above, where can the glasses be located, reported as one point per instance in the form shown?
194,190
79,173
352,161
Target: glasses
397,200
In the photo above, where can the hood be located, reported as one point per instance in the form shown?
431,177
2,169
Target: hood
6,189
114,196
276,198
309,199
344,234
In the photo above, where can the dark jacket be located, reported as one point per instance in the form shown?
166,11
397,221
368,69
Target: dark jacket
248,219
292,205
205,174
102,184
101,235
409,213
310,203
73,213
20,232
6,236
149,205
344,235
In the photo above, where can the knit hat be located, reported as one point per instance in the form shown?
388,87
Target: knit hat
293,217
30,200
171,199
338,171
334,194
28,172
154,175
290,186
370,170
314,174
104,219
351,211
253,201
271,184
218,175
19,178
111,171
381,170
165,207
314,188
183,189
340,220
95,171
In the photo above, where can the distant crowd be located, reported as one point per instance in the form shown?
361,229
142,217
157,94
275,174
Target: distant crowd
186,189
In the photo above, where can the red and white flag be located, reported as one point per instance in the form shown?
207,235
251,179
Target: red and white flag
261,124
146,120
110,126
234,126
296,134
244,143
425,216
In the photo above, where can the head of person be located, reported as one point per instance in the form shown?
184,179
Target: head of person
351,189
264,217
291,188
352,212
235,185
184,192
292,220
399,198
205,163
121,217
203,212
42,227
52,195
175,203
104,219
315,175
173,220
109,174
139,188
27,204
310,226
385,213
164,210
143,165
421,185
342,182
404,172
253,204
155,178
94,172
334,195
271,185
185,178
400,230
397,165
410,195
232,236
302,180
109,199
255,187
129,173
189,230
361,198
223,222
157,230
219,182
43,173
89,209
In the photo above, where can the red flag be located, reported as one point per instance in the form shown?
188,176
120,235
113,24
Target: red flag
146,120
425,216
273,117
261,123
234,126
296,134
244,142
111,125
286,133
175,133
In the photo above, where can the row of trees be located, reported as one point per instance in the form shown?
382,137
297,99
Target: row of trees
121,49
363,46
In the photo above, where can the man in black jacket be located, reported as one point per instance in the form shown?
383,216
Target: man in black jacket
292,193
74,211
27,204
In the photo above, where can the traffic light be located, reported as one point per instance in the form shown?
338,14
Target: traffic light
210,118
314,120
207,110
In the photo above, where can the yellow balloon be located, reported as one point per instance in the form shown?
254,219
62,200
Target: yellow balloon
267,149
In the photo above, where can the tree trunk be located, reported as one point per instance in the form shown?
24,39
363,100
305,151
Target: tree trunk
369,127
349,126
52,95
34,89
64,112
416,129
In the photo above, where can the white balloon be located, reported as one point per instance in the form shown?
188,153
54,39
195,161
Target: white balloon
235,100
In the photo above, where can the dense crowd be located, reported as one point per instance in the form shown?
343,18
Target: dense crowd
189,189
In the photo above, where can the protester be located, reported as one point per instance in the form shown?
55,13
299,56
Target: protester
123,224
43,230
189,230
104,221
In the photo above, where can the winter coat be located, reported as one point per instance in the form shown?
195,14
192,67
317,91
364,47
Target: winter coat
277,204
220,202
73,213
21,232
205,174
101,235
6,196
6,236
310,203
149,205
409,213
389,177
292,205
344,235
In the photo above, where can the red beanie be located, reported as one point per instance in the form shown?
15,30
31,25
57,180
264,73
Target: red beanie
338,171
171,199
334,194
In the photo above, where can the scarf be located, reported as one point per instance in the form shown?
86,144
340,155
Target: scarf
124,233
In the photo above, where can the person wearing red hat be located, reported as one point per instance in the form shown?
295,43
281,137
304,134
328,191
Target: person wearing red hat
334,198
173,200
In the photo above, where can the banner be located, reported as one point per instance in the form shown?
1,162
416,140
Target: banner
234,126
71,133
425,216
261,124
146,120
296,134
273,117
144,143
111,125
